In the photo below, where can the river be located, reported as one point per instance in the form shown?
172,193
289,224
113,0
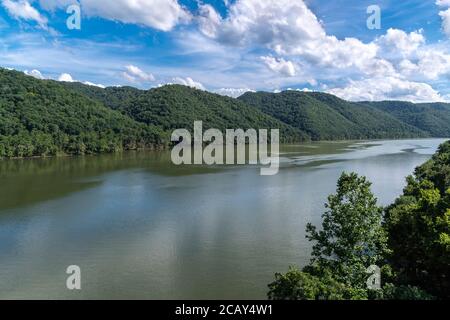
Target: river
140,227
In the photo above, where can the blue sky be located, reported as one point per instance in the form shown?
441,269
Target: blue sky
230,47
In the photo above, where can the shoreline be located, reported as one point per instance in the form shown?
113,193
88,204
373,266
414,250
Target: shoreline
162,148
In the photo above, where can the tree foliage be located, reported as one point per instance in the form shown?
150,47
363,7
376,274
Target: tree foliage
352,239
43,118
418,224
175,106
433,118
325,117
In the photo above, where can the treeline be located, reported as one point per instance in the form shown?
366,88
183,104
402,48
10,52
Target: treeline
409,241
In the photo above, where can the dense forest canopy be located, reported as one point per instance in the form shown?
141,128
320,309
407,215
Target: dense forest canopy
326,117
46,118
175,106
42,118
433,118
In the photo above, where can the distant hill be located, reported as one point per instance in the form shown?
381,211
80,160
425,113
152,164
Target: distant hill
45,117
40,117
433,118
175,106
326,117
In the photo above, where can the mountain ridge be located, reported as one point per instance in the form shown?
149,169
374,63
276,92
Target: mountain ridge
327,117
47,117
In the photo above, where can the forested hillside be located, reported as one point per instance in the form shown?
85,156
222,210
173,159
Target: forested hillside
326,117
433,118
40,118
45,117
175,106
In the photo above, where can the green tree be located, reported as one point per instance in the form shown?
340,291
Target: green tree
352,237
351,240
418,224
298,285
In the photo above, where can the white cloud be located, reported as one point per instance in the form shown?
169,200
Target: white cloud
399,43
286,27
300,90
443,3
135,74
293,32
88,83
387,88
433,63
208,20
281,66
188,82
34,73
65,77
428,65
159,14
23,10
227,52
445,16
262,22
232,92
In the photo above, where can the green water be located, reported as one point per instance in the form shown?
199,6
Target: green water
140,227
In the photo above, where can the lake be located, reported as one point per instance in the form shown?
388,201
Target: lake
140,227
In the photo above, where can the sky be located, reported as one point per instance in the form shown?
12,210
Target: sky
233,46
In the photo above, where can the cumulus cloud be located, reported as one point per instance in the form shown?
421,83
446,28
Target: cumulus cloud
445,16
288,28
427,64
189,82
209,20
135,74
297,38
443,3
292,41
398,42
232,92
65,77
433,63
159,14
88,83
23,10
34,73
387,88
281,66
263,22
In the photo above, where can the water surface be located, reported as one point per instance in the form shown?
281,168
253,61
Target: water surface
140,227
